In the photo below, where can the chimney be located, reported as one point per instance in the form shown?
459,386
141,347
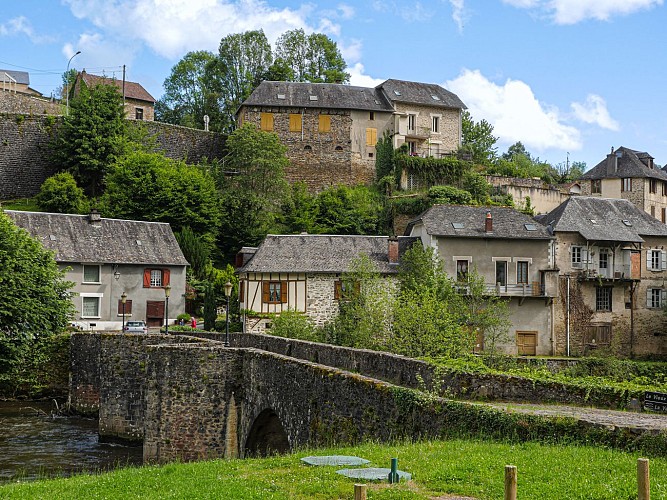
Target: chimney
488,223
94,217
612,161
392,251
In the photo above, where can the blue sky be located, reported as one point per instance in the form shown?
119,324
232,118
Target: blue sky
562,76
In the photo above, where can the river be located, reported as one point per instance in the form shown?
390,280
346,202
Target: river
35,444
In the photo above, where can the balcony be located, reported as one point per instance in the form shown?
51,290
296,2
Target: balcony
619,273
534,289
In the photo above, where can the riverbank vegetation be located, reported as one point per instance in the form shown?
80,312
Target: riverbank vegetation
462,467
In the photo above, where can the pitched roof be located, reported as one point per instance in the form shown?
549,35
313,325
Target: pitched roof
320,253
73,238
317,95
21,77
603,219
428,94
460,221
628,164
133,90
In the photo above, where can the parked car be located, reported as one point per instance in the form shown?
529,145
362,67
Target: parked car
136,327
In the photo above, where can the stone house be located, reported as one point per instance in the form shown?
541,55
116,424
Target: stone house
303,273
17,82
613,266
106,257
514,256
630,175
331,130
139,104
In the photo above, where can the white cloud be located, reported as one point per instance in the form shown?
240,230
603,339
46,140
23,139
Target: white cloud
594,110
458,13
515,113
21,26
359,79
408,11
574,11
328,27
99,55
351,52
346,11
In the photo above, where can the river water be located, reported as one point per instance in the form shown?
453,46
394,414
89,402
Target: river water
36,444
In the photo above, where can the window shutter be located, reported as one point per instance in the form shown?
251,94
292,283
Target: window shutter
265,292
283,292
663,297
648,259
147,278
294,122
649,297
128,307
337,289
663,260
584,255
371,136
166,277
357,288
241,291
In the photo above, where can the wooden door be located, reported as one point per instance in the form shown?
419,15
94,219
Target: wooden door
526,343
154,312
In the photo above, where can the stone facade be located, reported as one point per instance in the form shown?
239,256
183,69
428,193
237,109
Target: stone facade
543,197
28,105
427,142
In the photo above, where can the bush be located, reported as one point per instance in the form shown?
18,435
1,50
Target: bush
295,325
450,195
60,194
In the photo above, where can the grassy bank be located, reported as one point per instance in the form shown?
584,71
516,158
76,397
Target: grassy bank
463,467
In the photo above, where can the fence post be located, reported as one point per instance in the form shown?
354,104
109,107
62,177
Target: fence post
643,482
359,492
510,482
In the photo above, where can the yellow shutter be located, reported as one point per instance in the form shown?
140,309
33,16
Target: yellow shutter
295,123
266,122
325,124
371,136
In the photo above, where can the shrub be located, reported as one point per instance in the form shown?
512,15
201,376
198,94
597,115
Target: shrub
60,194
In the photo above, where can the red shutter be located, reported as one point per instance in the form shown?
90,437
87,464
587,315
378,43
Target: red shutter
265,292
147,278
283,292
166,275
128,307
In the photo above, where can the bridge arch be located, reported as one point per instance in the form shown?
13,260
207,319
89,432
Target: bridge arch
267,436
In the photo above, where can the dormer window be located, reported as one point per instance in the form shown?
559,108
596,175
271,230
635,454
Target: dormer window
397,92
435,97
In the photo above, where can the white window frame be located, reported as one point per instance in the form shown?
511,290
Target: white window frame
578,256
97,296
99,274
527,262
156,278
435,123
602,300
412,122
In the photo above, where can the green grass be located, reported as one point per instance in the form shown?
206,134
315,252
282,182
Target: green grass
472,468
23,204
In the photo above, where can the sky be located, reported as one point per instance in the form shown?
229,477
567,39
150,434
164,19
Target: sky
570,79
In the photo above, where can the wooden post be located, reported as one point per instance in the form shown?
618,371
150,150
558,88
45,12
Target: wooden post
510,482
643,482
359,492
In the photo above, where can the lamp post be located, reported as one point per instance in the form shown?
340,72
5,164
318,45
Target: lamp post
228,292
123,299
67,83
167,291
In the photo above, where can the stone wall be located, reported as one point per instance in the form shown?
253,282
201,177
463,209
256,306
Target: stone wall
84,388
183,143
28,105
543,197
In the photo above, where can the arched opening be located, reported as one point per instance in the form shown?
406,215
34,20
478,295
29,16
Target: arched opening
267,436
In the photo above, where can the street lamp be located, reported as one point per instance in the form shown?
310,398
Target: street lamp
123,299
167,291
67,83
228,292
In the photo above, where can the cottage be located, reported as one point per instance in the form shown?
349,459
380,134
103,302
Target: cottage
17,82
108,257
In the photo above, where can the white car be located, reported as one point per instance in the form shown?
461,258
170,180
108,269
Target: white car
136,327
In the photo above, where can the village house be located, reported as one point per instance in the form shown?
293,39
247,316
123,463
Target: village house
139,104
514,256
630,175
612,258
17,82
331,130
303,273
108,257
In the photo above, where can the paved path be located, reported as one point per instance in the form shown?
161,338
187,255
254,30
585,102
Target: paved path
612,418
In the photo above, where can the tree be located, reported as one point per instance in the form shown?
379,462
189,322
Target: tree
299,210
35,301
310,58
449,195
210,308
384,157
196,250
478,139
60,194
348,210
92,136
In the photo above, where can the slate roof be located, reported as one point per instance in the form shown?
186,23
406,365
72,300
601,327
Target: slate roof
133,90
74,239
601,219
21,77
319,253
317,95
629,165
460,221
420,93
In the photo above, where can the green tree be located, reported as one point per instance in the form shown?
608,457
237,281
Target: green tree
148,186
449,195
210,307
196,250
92,136
60,194
299,210
295,325
384,157
478,139
311,58
35,303
348,210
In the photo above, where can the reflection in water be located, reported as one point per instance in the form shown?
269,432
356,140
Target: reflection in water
34,444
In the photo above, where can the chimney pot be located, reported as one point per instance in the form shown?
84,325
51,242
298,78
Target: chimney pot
94,217
488,222
392,251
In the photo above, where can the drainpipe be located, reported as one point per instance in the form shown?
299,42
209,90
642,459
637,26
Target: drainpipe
567,328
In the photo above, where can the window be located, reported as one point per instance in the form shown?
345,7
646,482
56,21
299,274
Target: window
371,136
435,127
596,186
128,307
138,113
604,258
294,122
412,123
522,272
626,184
90,307
599,334
652,186
266,122
274,292
664,215
371,115
578,256
656,260
308,148
412,148
655,298
91,273
156,278
501,272
602,298
462,270
664,188
345,289
652,210
324,126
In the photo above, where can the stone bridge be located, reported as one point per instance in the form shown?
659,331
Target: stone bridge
190,398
